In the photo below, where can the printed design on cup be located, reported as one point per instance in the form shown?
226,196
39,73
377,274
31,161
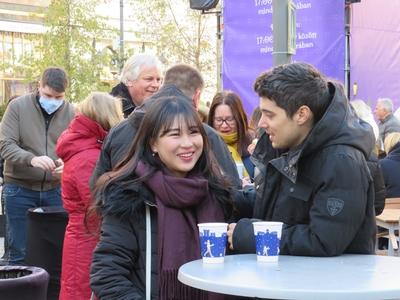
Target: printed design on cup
267,243
212,244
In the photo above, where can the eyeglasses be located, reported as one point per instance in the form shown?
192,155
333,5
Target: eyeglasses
229,121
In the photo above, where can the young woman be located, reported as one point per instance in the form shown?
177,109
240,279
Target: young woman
79,147
228,117
167,183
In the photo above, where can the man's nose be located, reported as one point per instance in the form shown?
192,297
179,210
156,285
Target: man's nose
262,123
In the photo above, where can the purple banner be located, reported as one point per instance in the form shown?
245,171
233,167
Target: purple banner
248,41
375,50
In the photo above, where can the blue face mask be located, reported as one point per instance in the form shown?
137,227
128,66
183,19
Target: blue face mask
50,105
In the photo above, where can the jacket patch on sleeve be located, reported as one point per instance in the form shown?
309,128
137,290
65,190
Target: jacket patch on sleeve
334,206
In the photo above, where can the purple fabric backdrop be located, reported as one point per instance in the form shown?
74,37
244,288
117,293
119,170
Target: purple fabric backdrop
375,50
247,48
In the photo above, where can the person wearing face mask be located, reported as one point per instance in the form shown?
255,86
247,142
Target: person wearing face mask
140,78
30,128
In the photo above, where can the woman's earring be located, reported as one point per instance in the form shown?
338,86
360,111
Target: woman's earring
153,154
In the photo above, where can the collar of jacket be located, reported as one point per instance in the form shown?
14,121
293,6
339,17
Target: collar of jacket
387,118
121,91
287,163
394,153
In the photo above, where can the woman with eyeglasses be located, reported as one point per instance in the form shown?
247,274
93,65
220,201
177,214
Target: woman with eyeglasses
228,117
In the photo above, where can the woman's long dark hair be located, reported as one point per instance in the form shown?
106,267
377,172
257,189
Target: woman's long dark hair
160,117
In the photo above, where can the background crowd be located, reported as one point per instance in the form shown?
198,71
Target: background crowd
135,166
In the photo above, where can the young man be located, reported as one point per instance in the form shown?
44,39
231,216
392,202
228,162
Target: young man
314,176
29,131
180,80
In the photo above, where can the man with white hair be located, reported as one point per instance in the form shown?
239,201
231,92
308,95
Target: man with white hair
180,80
387,121
140,78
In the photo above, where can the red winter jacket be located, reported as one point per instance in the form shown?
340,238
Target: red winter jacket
79,147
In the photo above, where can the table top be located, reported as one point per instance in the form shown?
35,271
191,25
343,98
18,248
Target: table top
389,215
347,277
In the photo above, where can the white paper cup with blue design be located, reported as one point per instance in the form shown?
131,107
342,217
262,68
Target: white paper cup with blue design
268,238
240,169
213,238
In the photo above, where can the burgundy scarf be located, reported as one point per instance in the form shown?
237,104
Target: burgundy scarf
182,203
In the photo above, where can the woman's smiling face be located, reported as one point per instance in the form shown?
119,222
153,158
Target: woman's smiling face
179,147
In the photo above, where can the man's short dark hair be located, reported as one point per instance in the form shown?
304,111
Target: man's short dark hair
185,78
55,78
292,85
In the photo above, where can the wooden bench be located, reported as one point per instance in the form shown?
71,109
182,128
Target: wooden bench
392,203
389,219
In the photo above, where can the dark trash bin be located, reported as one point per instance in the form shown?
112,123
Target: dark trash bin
44,243
23,283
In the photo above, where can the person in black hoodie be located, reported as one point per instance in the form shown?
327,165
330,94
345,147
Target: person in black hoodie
180,80
313,142
140,78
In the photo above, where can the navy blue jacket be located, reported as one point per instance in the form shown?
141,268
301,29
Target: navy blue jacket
391,172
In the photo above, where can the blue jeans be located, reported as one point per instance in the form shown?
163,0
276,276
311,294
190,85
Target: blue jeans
18,200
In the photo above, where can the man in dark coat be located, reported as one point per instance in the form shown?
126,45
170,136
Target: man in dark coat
140,78
314,177
179,80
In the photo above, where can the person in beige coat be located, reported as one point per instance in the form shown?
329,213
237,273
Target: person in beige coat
30,128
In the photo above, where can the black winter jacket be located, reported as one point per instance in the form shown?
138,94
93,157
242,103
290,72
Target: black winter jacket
117,142
322,190
118,268
379,183
391,171
121,91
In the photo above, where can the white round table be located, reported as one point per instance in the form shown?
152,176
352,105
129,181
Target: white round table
347,277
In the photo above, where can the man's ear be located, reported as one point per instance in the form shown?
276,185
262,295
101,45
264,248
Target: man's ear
196,99
303,115
129,83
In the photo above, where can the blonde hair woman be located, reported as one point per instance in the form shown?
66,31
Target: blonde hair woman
79,147
391,140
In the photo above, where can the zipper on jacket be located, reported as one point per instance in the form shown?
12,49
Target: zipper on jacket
47,125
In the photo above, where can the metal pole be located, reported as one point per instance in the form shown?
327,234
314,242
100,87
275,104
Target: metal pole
121,35
347,51
280,21
219,56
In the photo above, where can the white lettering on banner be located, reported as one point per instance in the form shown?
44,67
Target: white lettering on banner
308,35
303,45
266,49
262,2
264,39
265,11
301,5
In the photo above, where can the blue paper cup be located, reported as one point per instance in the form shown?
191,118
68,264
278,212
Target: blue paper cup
268,238
213,238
